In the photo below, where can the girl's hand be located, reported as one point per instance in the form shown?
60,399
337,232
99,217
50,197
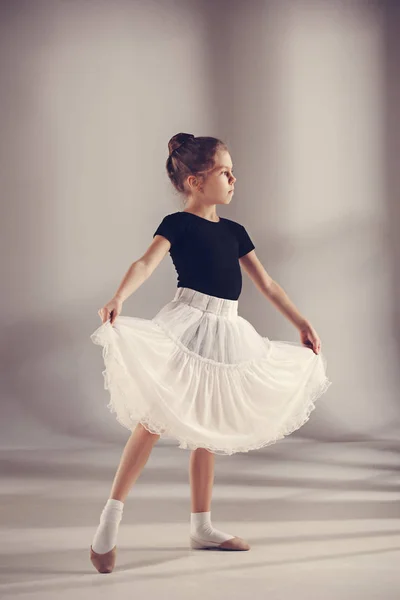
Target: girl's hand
309,338
111,310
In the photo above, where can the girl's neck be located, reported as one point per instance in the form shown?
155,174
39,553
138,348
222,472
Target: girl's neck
208,213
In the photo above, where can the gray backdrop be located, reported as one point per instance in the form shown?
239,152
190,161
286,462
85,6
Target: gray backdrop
306,95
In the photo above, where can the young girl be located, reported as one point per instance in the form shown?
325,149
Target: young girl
197,371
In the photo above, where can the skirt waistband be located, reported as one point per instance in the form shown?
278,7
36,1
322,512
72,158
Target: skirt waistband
218,306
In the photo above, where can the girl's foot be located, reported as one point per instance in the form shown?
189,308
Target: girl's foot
103,548
235,543
204,536
104,563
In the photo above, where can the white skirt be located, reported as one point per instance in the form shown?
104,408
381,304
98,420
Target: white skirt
201,374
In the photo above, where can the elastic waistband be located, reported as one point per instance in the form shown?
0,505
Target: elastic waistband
218,306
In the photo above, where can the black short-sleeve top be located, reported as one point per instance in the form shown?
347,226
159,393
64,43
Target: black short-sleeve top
206,253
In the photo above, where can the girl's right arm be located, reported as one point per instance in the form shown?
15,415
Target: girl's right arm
137,274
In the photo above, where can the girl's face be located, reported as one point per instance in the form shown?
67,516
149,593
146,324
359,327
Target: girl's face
218,185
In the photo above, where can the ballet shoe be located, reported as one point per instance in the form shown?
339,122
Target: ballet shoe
104,563
235,543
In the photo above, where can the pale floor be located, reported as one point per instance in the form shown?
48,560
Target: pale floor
323,521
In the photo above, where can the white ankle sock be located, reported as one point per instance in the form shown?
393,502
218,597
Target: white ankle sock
105,537
202,530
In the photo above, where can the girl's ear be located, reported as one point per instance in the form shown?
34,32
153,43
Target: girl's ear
193,181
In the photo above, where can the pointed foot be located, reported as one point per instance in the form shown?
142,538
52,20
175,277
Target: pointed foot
104,563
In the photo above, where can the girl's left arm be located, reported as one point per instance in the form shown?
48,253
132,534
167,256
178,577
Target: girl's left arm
277,295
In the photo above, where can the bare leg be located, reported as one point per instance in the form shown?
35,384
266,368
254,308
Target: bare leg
201,474
134,457
202,533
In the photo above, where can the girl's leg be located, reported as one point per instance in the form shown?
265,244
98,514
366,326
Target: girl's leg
201,474
203,534
134,457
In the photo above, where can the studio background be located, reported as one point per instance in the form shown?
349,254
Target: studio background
304,94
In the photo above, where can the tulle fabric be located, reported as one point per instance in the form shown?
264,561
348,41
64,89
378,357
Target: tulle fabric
201,374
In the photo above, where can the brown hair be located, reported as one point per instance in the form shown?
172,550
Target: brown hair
190,155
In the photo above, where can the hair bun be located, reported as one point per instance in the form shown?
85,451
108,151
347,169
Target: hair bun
178,140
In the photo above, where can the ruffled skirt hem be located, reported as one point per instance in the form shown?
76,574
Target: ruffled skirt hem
131,407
